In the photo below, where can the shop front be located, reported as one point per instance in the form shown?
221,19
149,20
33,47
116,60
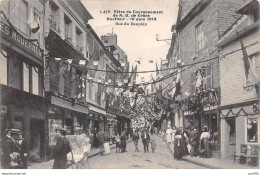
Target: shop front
63,113
239,129
26,113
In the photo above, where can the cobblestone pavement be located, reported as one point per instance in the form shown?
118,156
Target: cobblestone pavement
161,159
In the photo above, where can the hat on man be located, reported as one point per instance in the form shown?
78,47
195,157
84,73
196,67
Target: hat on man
13,131
61,130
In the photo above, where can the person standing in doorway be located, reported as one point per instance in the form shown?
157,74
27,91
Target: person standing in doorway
61,149
145,139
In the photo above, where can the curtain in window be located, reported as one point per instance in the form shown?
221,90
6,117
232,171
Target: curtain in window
26,78
35,81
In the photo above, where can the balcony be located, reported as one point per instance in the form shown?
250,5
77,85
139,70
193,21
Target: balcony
54,25
63,48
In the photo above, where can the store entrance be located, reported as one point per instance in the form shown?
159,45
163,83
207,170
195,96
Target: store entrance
36,145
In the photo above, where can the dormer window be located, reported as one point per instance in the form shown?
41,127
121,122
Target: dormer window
251,9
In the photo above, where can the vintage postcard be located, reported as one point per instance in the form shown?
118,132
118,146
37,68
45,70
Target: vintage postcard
129,84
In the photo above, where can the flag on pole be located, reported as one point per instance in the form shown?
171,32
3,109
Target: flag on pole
249,73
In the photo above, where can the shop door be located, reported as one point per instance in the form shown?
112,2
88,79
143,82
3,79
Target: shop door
232,136
36,145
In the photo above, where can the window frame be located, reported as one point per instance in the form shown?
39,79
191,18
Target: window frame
246,129
38,78
199,37
29,77
7,65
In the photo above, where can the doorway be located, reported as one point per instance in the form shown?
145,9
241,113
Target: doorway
36,145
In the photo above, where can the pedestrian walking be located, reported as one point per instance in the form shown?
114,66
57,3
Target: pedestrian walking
136,139
101,136
24,151
123,139
178,144
61,149
204,143
118,143
186,141
194,142
145,139
11,158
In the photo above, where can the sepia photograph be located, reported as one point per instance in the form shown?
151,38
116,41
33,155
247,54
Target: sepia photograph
129,85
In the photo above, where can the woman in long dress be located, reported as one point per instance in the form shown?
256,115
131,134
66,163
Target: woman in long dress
178,145
204,143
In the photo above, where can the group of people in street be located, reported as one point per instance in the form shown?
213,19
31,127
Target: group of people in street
14,150
190,142
145,140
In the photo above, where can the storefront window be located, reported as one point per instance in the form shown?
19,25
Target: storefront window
78,126
252,134
35,81
26,77
53,124
3,68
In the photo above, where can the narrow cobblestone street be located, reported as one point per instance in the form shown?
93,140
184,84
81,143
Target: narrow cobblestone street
161,159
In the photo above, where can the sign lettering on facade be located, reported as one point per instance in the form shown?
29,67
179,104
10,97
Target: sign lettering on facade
13,35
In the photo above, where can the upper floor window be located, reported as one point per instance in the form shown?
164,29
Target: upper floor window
68,28
53,19
3,68
79,40
199,36
21,17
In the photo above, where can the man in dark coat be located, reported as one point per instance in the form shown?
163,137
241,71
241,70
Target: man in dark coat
136,139
123,142
194,142
61,150
145,139
24,151
11,148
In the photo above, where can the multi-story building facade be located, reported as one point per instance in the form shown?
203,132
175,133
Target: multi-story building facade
67,56
239,110
199,27
101,84
23,105
120,105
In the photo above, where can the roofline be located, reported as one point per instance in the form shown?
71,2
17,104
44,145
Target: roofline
233,37
193,12
117,63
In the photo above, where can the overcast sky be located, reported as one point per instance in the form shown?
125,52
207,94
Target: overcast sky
139,42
